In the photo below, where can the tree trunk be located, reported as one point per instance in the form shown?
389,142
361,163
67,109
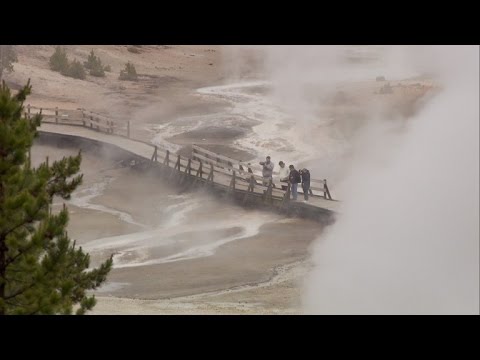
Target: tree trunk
3,256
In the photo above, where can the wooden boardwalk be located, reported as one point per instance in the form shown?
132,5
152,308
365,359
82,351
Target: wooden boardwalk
238,180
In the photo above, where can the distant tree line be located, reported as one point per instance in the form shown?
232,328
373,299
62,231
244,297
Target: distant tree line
59,62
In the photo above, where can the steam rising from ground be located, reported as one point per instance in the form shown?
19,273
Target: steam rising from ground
407,241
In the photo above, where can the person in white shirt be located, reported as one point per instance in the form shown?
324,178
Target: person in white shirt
284,172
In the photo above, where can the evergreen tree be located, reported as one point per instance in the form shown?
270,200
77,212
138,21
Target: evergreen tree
94,64
7,58
59,60
41,269
129,73
75,70
91,61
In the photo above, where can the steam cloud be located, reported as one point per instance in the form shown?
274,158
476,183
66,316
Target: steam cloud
407,241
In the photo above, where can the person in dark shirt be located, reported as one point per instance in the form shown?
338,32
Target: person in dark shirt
305,174
294,179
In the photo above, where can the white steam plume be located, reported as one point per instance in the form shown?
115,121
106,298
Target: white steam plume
407,241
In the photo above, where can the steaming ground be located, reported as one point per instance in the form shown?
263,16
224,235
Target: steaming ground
182,253
187,253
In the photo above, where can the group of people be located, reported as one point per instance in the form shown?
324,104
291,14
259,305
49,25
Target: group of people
287,175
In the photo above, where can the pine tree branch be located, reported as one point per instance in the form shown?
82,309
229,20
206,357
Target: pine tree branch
16,303
24,222
19,292
11,260
48,271
22,251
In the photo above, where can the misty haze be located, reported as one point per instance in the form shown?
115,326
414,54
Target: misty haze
375,209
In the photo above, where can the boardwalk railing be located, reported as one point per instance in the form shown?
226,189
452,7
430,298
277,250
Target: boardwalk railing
80,117
204,166
248,170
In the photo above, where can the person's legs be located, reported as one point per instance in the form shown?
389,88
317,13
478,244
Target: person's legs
306,187
294,191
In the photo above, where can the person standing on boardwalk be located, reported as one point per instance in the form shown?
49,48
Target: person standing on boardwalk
305,182
294,179
283,174
267,171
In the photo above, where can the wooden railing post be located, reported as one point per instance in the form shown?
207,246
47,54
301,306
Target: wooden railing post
154,156
56,115
251,186
327,191
194,151
232,182
128,129
167,159
200,170
83,118
210,176
177,165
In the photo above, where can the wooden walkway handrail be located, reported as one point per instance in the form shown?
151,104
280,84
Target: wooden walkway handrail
80,117
227,162
240,174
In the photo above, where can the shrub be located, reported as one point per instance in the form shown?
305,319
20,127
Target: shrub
129,73
107,68
98,71
94,64
91,61
59,60
75,70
